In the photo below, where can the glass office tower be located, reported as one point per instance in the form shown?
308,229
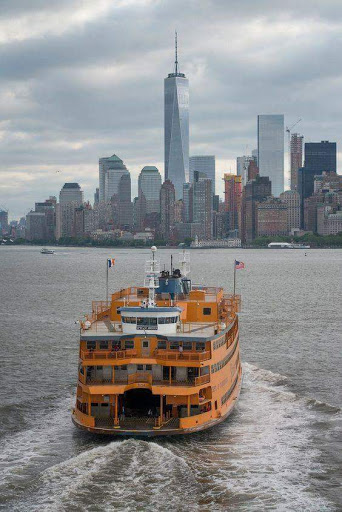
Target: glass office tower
204,164
271,150
176,129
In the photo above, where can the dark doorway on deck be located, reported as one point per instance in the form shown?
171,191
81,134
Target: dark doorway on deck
139,402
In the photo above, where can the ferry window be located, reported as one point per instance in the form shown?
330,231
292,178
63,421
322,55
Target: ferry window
187,345
215,405
104,405
140,366
104,345
93,404
129,344
161,320
206,311
174,345
162,345
99,367
123,367
145,344
200,346
118,310
148,367
91,345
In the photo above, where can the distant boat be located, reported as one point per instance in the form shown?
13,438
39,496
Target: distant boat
47,251
287,245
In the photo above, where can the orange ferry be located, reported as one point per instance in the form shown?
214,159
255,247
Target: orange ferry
162,359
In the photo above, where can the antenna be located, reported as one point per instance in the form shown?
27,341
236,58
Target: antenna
176,54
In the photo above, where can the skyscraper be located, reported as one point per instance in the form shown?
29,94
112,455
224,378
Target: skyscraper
149,183
271,150
108,182
70,198
296,147
167,209
242,163
204,164
232,199
201,204
255,191
176,128
320,156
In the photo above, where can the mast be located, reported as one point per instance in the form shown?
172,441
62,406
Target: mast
151,279
176,54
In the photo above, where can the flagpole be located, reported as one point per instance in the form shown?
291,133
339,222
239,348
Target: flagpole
107,280
234,275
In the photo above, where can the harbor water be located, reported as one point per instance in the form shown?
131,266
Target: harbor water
281,448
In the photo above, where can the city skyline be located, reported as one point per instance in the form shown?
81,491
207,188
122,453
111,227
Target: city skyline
61,110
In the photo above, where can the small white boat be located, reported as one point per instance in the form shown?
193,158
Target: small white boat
47,251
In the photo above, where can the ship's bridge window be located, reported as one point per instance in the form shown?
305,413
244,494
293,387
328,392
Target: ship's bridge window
91,345
200,346
162,345
129,319
206,311
146,323
174,345
104,345
168,320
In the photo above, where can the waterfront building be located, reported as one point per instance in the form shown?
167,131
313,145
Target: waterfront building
176,128
296,156
35,226
113,179
320,156
179,210
271,218
70,198
305,187
201,204
48,207
149,183
232,198
187,230
86,220
205,164
167,209
271,150
292,200
254,192
329,220
242,166
3,221
139,212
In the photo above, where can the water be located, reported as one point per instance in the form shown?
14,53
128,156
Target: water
280,450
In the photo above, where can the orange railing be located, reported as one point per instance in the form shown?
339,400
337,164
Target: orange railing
107,354
140,377
203,379
173,355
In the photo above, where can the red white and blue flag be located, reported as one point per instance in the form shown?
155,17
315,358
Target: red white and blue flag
239,264
111,262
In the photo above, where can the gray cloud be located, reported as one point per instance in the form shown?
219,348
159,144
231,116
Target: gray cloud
69,96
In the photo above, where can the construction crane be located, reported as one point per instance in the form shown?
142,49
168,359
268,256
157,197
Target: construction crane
289,131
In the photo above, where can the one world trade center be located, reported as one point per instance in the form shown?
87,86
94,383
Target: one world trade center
176,128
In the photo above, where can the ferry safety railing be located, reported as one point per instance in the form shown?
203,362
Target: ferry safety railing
202,379
139,377
108,354
175,355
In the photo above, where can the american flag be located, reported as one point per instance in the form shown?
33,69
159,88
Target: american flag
239,264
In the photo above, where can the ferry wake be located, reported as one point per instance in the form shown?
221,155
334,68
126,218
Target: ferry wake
161,359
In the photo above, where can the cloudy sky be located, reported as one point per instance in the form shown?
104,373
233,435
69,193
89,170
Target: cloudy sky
81,79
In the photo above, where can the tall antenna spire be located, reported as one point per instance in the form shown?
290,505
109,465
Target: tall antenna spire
176,54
